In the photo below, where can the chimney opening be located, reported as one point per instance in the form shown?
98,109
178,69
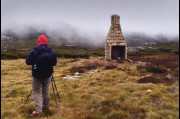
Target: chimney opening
118,52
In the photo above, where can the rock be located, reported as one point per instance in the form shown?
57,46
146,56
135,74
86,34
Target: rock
72,77
129,60
137,63
169,76
149,90
77,73
92,71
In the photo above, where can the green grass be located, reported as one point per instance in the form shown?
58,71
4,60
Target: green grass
102,94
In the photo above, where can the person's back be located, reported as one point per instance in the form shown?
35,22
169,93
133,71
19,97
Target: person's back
42,60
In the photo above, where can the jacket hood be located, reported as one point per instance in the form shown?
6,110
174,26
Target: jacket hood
42,39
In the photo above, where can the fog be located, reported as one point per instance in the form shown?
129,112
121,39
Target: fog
88,21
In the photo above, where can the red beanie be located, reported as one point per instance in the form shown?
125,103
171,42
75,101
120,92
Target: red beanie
42,39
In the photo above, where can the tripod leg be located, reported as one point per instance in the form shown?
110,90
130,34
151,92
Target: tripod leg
28,97
54,93
56,87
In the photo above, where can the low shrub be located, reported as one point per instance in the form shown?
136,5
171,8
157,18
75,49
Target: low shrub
155,68
81,69
109,67
156,79
149,79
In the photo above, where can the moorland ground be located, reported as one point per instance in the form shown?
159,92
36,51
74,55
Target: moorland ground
147,86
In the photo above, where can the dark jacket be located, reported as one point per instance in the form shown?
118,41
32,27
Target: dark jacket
33,55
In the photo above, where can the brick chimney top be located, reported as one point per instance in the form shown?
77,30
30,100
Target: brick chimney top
115,19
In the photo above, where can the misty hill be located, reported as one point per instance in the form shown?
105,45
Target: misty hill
140,39
67,35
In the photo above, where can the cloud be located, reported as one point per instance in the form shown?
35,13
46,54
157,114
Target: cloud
148,16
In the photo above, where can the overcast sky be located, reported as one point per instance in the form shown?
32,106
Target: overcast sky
93,16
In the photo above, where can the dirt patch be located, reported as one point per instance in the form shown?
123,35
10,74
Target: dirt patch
149,79
109,67
157,79
168,60
155,68
81,69
91,64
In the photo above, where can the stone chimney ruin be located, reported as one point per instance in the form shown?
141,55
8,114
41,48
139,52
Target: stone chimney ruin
115,46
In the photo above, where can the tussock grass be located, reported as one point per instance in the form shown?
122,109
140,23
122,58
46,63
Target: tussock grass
99,94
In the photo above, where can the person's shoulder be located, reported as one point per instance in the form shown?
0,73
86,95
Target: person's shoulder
34,49
49,49
52,50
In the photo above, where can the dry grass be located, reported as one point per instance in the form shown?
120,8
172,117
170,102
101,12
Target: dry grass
103,92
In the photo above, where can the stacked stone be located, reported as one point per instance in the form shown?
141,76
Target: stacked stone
115,34
114,37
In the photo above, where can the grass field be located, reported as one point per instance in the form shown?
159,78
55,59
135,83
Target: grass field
106,90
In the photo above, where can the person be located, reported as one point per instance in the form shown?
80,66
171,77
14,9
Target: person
42,77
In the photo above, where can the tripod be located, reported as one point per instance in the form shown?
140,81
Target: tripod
53,87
